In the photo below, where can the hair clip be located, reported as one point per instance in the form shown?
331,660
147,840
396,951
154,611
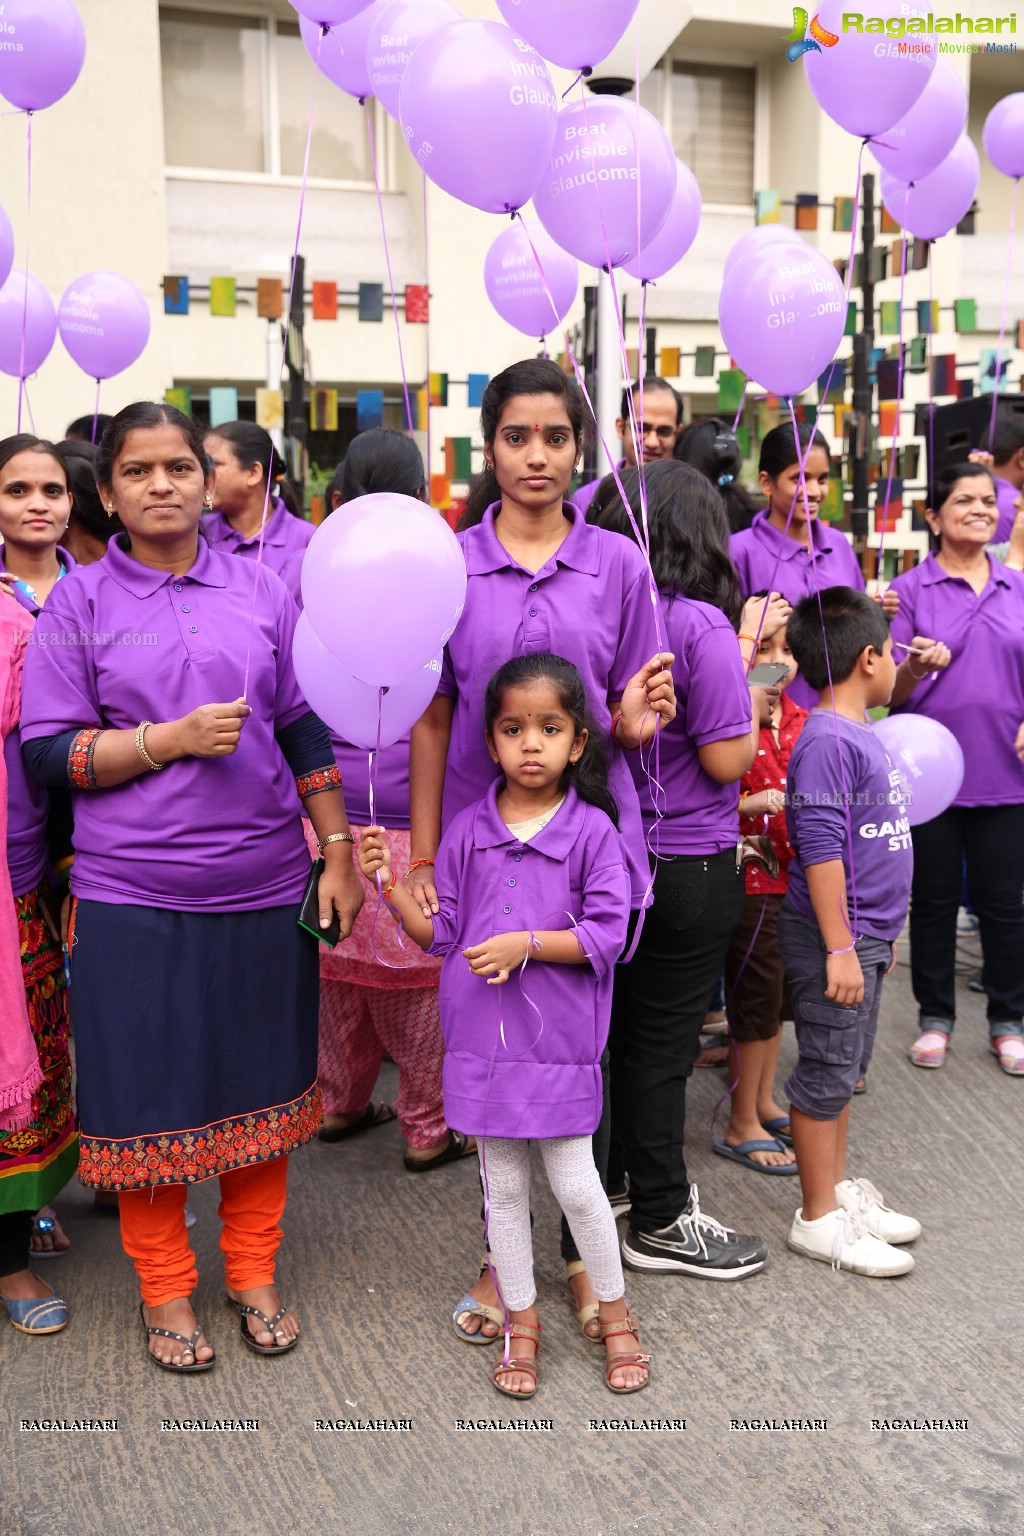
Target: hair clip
726,479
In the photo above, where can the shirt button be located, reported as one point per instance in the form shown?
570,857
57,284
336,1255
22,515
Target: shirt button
185,608
518,858
193,629
177,586
533,613
533,586
506,909
511,882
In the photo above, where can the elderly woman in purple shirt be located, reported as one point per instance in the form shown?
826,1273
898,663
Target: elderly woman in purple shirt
194,990
245,461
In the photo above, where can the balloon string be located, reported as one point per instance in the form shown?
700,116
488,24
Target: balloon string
372,780
28,408
1002,319
848,286
286,335
931,388
95,412
28,237
387,259
426,276
899,401
739,409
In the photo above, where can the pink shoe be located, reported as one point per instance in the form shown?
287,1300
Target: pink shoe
1010,1050
929,1049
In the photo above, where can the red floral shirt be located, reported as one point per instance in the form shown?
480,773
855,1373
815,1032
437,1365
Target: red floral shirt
768,771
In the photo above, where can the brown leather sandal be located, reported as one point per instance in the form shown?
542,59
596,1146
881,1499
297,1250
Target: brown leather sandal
527,1367
612,1330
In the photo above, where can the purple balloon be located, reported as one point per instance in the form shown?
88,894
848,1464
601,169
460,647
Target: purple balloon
1003,135
676,235
934,205
42,50
6,247
103,321
863,81
587,199
922,139
516,285
576,34
343,50
384,584
399,26
354,710
39,319
757,238
479,114
329,13
929,761
782,311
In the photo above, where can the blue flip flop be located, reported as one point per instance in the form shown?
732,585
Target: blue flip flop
741,1154
775,1125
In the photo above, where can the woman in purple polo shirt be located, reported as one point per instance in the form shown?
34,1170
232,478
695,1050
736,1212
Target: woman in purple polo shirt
540,579
194,990
245,459
974,609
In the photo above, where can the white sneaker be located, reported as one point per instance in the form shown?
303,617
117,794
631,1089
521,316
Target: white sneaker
842,1240
860,1195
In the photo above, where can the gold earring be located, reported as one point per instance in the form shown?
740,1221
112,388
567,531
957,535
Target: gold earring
111,509
209,501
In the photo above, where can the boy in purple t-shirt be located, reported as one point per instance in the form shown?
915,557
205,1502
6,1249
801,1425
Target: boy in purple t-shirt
849,886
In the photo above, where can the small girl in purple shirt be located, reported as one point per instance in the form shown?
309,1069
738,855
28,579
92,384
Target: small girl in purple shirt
533,898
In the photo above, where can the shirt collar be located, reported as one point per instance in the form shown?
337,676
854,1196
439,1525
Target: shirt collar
785,547
556,841
932,572
142,580
274,534
580,550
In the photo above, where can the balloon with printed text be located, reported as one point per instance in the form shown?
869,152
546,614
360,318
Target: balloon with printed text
757,238
342,50
782,312
929,761
934,205
861,78
42,50
383,586
479,113
676,235
103,321
518,286
28,325
398,29
924,136
1003,135
577,34
358,712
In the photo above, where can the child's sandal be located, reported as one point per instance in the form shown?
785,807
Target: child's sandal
527,1367
612,1330
587,1314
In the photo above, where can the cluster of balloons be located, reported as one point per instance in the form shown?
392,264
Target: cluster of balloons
370,665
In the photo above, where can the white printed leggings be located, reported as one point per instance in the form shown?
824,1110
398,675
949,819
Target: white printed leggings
574,1181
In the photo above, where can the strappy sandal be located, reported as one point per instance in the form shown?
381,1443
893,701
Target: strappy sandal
468,1306
269,1323
586,1314
527,1367
612,1330
192,1344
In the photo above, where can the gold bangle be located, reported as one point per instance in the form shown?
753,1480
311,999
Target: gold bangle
140,747
335,837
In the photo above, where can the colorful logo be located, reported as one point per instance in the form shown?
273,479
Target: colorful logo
799,40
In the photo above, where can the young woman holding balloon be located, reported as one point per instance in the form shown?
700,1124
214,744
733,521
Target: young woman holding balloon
972,683
245,460
540,579
194,990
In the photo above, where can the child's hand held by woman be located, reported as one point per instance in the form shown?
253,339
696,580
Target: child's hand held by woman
502,953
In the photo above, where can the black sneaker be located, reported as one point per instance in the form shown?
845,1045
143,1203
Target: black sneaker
619,1200
695,1244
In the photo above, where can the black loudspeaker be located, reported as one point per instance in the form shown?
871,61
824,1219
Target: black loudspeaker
959,427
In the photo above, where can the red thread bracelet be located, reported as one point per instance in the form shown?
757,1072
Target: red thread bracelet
622,745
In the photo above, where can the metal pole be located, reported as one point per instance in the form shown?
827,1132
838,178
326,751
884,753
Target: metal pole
608,372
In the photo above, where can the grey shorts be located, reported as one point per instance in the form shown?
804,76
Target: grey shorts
834,1043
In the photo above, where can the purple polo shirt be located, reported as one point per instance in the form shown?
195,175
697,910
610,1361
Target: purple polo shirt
391,790
284,542
584,494
768,560
838,763
699,815
591,603
512,1069
124,643
1007,496
980,695
18,590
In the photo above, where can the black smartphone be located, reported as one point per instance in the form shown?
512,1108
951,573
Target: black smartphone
309,911
767,673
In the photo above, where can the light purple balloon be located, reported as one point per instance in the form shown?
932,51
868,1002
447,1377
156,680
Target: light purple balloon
399,26
40,325
352,709
103,321
929,761
863,89
577,34
6,247
42,50
757,238
934,205
329,13
343,50
676,235
384,586
587,197
516,285
479,114
1003,135
922,139
783,312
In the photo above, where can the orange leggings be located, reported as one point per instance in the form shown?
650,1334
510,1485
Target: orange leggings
251,1206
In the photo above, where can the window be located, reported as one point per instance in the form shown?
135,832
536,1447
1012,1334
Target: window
711,124
236,95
